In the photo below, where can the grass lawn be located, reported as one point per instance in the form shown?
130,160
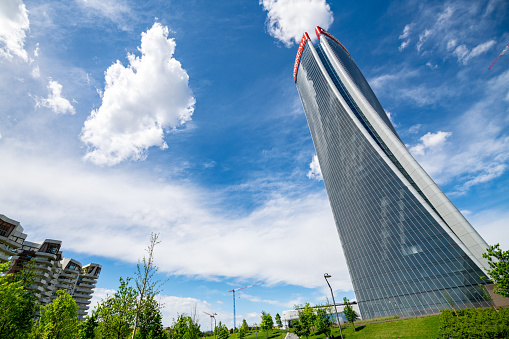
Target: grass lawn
425,327
415,328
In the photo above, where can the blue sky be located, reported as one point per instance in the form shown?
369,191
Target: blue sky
122,118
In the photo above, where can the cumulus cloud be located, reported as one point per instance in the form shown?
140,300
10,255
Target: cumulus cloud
287,20
139,103
430,141
54,101
13,26
315,172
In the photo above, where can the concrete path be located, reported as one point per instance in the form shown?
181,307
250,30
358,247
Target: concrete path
290,335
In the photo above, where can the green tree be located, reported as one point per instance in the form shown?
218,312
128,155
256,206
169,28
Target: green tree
116,312
146,285
221,331
150,321
499,269
323,321
350,313
186,327
18,305
59,319
278,321
267,323
245,326
305,322
86,329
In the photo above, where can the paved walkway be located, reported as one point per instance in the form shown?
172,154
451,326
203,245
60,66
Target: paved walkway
291,335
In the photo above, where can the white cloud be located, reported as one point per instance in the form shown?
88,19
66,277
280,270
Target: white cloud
422,38
55,101
139,103
315,172
431,66
430,141
36,73
13,26
405,36
287,20
114,10
404,45
479,153
464,54
406,31
112,213
451,44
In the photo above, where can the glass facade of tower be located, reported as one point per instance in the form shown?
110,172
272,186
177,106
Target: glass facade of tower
402,261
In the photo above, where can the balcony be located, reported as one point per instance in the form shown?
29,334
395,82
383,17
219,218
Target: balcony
74,276
82,295
46,255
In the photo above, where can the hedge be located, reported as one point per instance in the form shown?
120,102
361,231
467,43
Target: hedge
474,323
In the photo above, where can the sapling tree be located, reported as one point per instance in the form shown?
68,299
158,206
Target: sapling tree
146,284
350,313
499,269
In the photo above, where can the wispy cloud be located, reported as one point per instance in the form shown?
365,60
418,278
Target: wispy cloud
108,212
139,103
445,30
14,24
114,10
479,152
287,20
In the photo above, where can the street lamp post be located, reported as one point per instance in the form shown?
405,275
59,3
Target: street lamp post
326,275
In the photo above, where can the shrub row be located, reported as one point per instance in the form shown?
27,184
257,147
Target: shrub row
474,323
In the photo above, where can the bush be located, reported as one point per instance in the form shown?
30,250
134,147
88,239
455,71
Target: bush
474,323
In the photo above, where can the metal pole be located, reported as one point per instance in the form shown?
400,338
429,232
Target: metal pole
215,325
326,275
233,310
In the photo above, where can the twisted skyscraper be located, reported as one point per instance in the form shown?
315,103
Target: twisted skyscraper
408,249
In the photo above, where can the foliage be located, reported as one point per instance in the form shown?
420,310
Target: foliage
58,319
323,322
116,312
350,313
221,331
86,329
18,306
305,322
244,325
267,322
186,327
150,322
474,323
278,321
243,329
147,287
499,269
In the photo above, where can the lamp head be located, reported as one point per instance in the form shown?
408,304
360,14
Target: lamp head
326,275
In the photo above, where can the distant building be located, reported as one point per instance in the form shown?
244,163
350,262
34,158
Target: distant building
408,249
53,272
289,315
11,238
